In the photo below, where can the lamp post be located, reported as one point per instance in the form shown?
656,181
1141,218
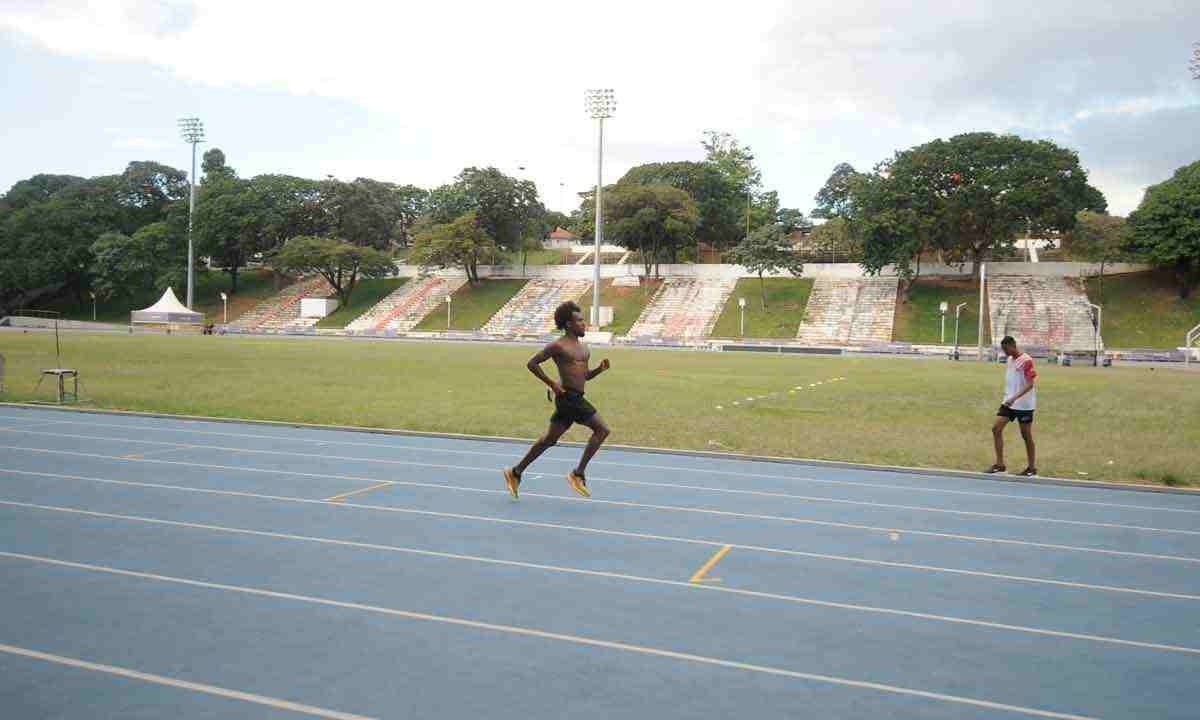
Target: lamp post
1096,335
225,303
957,309
601,104
93,296
192,131
742,312
942,308
447,313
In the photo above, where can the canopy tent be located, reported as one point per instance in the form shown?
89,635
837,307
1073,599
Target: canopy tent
168,309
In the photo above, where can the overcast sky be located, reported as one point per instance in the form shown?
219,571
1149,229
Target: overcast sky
412,92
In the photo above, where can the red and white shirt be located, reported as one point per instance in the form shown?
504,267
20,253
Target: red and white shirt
1019,372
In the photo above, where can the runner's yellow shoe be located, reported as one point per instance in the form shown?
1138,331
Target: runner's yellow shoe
578,483
512,480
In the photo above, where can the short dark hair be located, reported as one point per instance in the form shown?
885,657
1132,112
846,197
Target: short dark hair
1008,340
563,313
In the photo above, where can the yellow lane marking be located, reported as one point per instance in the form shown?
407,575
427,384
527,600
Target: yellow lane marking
343,496
716,558
142,454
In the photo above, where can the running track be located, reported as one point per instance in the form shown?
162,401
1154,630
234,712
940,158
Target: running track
159,567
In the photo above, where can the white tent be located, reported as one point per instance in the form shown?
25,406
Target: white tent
168,309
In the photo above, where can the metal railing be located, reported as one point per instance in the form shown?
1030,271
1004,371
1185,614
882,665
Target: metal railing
1192,336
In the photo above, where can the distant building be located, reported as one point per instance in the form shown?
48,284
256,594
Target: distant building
559,239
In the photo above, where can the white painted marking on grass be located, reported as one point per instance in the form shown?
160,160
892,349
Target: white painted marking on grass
801,600
762,493
547,635
647,466
616,533
270,702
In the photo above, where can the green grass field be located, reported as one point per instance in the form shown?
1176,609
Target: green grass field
253,286
1133,424
786,300
472,305
366,294
627,302
918,320
1143,310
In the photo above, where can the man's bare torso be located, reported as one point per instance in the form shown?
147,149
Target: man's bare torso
571,356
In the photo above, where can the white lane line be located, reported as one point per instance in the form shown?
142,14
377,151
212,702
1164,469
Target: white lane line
689,585
522,631
625,534
806,498
271,702
625,503
645,466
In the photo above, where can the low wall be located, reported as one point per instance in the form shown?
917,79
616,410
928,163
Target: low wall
811,270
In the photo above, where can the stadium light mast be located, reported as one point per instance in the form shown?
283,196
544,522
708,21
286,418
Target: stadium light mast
1195,64
601,104
192,131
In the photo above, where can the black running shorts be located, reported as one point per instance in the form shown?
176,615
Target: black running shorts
570,407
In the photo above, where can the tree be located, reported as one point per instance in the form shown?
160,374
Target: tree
792,219
655,220
720,204
1166,226
1100,238
36,189
835,239
893,214
227,224
835,199
981,189
736,164
766,250
341,263
734,160
462,242
554,219
46,246
154,257
505,208
145,190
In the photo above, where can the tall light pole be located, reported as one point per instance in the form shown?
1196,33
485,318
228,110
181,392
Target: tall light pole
1195,65
601,104
192,131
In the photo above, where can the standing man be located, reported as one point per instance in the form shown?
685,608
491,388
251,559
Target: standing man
1020,400
571,355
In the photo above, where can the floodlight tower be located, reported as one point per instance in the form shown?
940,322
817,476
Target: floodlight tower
601,104
192,131
1195,65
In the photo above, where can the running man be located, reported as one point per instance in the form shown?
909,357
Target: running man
571,355
1020,400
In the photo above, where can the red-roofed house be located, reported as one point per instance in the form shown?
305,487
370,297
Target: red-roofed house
559,239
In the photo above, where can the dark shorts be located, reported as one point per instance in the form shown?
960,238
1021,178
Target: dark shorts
1023,417
570,407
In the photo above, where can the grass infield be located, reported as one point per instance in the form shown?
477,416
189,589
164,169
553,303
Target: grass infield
786,300
1123,424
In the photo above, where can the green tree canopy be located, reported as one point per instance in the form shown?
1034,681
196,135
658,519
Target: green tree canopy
155,256
1166,226
505,207
655,220
766,250
983,189
835,198
341,263
720,206
1099,238
462,242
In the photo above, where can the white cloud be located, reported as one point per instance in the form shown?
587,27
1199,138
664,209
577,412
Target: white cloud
808,85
